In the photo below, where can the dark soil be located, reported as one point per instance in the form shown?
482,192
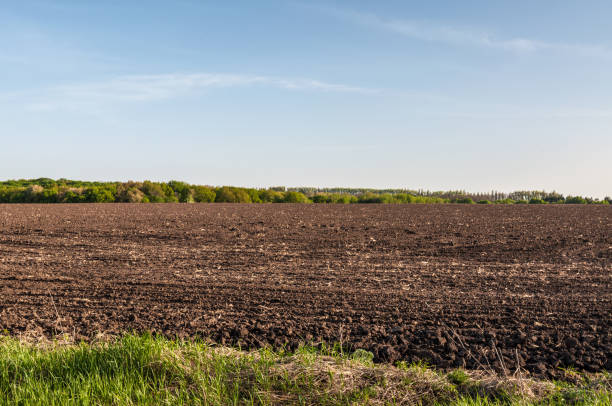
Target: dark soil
456,285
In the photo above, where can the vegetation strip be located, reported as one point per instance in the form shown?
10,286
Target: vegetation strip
44,190
143,369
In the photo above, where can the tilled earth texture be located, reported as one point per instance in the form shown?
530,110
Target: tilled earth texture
455,285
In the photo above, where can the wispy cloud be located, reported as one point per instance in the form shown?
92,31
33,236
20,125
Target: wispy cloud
442,33
142,88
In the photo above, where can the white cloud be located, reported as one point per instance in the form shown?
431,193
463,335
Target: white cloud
142,88
435,32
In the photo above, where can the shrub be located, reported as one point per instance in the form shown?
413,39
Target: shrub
370,197
321,198
17,195
153,191
535,200
203,194
225,195
98,195
135,195
44,182
169,195
129,192
50,195
464,200
295,197
228,194
182,191
343,199
554,198
271,196
505,201
71,195
484,202
254,195
427,199
242,196
33,193
575,200
403,198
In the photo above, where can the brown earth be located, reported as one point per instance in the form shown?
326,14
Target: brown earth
457,285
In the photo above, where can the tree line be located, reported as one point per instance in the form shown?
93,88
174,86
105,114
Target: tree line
45,190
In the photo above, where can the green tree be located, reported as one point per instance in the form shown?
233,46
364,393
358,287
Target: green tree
295,197
154,192
464,200
98,195
321,198
203,194
225,195
575,200
535,200
270,196
242,196
182,190
254,195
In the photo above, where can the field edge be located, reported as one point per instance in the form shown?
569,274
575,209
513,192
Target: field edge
147,369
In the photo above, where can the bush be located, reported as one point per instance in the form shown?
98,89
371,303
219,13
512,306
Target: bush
403,198
505,201
575,200
225,195
33,193
135,195
242,196
98,195
271,196
228,194
464,200
182,191
70,195
320,198
254,195
554,198
169,195
484,202
129,192
153,191
535,200
427,199
343,199
375,198
50,195
295,197
203,194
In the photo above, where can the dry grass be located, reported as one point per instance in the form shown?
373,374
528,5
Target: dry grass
153,370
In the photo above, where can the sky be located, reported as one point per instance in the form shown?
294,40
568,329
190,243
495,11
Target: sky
438,95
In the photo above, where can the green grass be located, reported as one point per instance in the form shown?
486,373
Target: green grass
146,370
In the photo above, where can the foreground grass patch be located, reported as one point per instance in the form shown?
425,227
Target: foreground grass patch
153,370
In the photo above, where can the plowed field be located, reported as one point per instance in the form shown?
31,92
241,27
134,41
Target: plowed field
479,286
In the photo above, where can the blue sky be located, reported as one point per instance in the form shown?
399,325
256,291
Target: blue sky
474,95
